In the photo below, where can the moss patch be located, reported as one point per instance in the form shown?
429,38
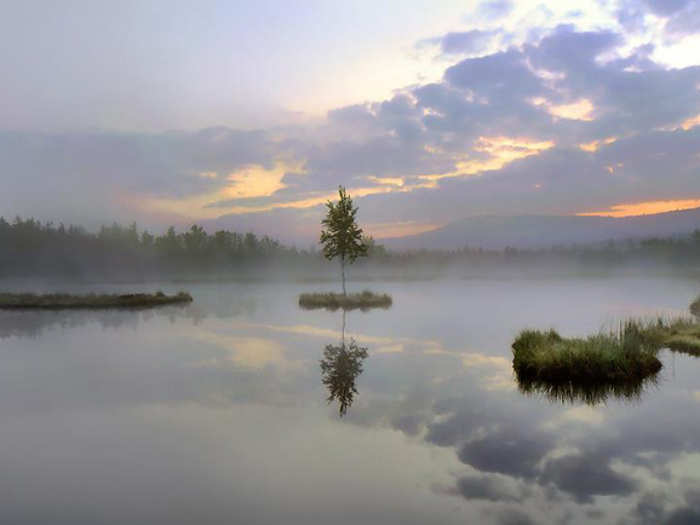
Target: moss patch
60,300
334,301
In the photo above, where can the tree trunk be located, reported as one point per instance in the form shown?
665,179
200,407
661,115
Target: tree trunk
342,270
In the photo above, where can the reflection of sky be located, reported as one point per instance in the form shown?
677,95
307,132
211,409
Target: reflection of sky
216,413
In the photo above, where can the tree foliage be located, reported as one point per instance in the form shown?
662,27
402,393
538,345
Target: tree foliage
341,236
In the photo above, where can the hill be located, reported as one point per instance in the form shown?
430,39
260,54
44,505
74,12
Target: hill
543,231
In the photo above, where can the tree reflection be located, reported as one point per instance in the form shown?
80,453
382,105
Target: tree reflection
340,367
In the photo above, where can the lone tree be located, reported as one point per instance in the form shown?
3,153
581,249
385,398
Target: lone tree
341,236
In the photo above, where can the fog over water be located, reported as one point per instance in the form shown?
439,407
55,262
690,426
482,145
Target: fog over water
216,412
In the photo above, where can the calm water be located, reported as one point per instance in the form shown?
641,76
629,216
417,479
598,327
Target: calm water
217,413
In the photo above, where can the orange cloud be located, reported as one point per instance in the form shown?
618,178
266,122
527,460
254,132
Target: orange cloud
502,149
580,110
398,229
645,208
595,144
256,181
691,122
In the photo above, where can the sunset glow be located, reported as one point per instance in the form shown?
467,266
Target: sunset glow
595,144
398,229
502,150
579,110
645,208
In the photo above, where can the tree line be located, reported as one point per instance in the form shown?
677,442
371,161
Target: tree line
32,248
29,247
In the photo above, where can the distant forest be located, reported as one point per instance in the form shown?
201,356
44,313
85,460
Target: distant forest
29,248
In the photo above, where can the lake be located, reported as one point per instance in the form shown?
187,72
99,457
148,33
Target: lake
217,412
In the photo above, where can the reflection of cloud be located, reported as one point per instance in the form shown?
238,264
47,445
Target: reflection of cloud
254,352
507,452
488,487
585,476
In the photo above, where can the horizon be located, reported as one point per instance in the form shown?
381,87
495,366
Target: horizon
347,262
442,112
676,231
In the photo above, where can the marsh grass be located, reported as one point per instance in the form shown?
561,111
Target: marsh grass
628,355
614,361
333,301
61,300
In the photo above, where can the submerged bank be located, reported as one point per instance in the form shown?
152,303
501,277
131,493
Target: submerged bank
62,300
334,301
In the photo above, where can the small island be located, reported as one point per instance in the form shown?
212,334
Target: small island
627,356
342,238
606,358
63,300
334,301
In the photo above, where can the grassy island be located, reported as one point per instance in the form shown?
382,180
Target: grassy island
334,301
626,356
61,300
622,358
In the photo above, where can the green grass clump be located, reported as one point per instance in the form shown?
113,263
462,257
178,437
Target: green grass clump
591,368
628,355
62,300
334,301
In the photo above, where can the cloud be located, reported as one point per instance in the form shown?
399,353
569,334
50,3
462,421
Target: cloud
468,42
94,176
552,125
495,9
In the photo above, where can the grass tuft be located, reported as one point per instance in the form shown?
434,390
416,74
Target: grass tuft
333,301
614,357
593,367
62,300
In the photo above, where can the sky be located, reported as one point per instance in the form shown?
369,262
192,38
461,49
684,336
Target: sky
249,115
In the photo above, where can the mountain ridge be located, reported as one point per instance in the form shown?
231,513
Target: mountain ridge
544,231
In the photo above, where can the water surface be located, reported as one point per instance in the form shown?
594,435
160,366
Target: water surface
217,412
